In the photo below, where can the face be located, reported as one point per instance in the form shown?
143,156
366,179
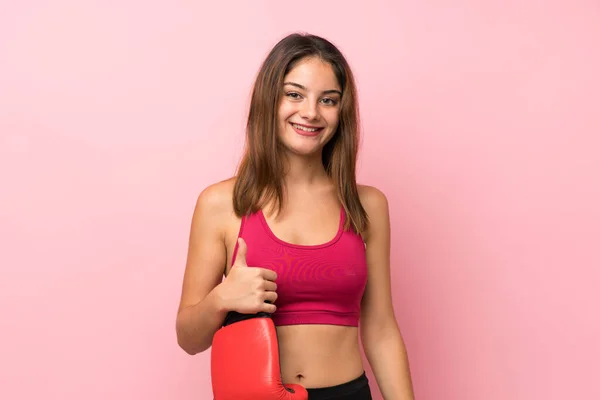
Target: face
310,107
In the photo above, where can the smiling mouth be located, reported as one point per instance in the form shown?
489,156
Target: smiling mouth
306,129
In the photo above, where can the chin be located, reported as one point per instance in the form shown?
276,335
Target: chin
304,152
302,149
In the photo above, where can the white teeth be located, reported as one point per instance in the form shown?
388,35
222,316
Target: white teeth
303,128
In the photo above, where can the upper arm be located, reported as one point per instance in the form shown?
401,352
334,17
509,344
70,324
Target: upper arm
207,254
376,309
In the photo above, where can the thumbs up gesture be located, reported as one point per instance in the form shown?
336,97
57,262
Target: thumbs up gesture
248,290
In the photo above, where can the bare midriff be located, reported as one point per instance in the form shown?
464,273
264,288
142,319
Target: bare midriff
316,356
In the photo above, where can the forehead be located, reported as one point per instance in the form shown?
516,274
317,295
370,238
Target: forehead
314,74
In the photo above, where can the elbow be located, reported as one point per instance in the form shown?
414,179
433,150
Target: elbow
189,346
190,349
189,342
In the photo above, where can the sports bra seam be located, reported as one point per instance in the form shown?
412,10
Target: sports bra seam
239,235
281,312
340,232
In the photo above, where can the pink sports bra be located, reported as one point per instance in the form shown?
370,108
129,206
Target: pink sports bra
316,284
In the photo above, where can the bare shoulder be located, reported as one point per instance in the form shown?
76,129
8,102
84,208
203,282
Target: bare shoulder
217,196
372,199
376,205
207,255
214,206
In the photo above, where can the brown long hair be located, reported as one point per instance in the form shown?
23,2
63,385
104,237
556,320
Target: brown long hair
260,175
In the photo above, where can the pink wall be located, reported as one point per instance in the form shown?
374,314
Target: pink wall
482,126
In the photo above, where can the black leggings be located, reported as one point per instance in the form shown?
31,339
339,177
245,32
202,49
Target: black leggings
357,389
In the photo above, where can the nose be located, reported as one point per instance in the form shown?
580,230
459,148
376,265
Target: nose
309,111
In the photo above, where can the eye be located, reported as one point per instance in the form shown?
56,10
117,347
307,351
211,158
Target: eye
329,102
293,95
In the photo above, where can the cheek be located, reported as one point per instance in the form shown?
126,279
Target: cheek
333,118
286,110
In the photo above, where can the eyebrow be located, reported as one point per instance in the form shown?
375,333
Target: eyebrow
304,88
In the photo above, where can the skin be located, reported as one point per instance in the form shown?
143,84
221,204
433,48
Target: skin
311,355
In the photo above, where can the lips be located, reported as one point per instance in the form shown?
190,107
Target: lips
306,130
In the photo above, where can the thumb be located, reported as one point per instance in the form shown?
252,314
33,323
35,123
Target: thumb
240,258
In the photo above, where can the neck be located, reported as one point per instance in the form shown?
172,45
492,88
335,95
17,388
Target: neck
304,171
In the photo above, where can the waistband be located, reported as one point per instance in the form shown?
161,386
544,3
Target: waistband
343,389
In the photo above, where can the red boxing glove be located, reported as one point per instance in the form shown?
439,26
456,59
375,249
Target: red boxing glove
245,361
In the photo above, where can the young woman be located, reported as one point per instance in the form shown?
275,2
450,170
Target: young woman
318,244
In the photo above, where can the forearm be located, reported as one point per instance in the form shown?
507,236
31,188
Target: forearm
197,324
389,361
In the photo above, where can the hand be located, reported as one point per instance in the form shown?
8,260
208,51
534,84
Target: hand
247,290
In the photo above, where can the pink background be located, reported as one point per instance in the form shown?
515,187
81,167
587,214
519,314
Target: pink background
481,124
